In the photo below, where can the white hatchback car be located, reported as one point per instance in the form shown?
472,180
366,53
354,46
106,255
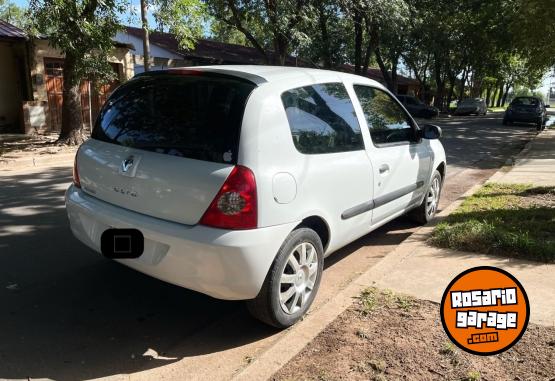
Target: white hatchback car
242,179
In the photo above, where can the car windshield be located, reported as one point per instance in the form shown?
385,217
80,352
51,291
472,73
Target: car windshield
196,116
525,102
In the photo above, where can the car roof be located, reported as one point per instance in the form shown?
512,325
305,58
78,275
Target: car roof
262,73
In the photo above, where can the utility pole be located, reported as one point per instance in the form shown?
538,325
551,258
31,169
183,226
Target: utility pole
146,42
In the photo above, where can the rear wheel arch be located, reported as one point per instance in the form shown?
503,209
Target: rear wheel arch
441,169
320,226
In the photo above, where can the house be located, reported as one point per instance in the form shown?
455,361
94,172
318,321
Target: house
31,82
15,84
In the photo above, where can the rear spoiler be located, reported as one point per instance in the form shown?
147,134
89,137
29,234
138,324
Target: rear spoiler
211,72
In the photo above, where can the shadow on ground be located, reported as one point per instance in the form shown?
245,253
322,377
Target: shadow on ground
67,313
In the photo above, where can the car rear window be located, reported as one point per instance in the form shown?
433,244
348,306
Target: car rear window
195,116
322,119
525,102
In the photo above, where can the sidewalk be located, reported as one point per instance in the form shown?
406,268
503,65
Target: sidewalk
423,271
535,164
19,152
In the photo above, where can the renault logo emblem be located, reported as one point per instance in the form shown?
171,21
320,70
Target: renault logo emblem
127,164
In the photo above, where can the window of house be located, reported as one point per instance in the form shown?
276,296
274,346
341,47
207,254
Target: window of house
54,68
322,119
387,121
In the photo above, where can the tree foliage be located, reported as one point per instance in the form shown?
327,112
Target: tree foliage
183,18
13,14
275,24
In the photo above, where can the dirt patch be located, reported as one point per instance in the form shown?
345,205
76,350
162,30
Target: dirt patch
385,336
16,146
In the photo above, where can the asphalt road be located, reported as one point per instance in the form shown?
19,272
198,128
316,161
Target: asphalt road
66,313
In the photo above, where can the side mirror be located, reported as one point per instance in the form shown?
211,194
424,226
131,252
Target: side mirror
431,131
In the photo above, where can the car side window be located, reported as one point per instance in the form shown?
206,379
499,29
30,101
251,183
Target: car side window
387,121
322,119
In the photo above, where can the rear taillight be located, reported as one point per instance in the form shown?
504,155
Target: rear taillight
76,180
235,206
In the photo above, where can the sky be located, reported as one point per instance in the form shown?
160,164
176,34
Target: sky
132,18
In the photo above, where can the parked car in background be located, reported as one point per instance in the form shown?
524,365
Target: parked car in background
242,179
417,108
526,110
470,106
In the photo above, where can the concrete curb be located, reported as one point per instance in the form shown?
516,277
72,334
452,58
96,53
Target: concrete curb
275,357
30,162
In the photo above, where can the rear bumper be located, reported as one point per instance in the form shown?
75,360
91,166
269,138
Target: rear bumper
224,264
466,111
523,117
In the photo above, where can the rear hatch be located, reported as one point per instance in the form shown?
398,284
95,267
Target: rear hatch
165,142
526,106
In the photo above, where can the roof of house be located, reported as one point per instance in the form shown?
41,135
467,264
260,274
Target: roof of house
212,51
9,31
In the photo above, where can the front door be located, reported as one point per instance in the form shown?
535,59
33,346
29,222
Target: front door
91,99
401,161
54,79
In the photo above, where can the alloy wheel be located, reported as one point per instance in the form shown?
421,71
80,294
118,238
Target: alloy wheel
298,277
432,198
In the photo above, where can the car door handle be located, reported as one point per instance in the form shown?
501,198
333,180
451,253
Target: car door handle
384,168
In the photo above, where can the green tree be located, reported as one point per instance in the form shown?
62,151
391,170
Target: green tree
82,30
274,24
371,21
13,14
533,31
182,18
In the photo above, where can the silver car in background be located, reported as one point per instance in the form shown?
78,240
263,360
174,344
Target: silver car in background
470,106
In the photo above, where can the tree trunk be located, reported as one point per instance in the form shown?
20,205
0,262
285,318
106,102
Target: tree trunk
440,83
500,95
373,42
280,47
452,82
357,19
394,88
385,73
72,132
326,48
146,39
505,94
463,83
488,94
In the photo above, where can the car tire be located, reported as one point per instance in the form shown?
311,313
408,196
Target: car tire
540,125
428,209
270,306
